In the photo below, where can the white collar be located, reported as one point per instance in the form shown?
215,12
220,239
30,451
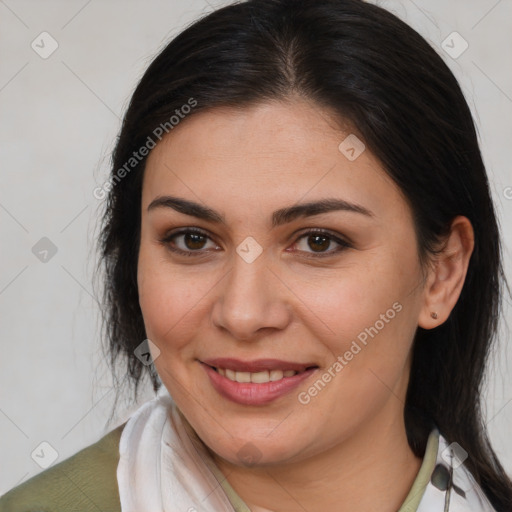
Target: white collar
451,487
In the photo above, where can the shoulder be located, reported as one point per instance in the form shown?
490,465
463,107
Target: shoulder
85,481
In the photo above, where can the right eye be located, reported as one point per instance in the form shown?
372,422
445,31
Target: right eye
192,242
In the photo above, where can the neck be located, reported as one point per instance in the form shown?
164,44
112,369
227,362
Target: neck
373,470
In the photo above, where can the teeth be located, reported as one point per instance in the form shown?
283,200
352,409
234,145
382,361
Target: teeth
257,377
276,375
260,377
243,377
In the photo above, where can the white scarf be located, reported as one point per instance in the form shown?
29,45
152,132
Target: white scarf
164,467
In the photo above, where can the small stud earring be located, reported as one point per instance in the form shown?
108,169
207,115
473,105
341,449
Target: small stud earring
433,315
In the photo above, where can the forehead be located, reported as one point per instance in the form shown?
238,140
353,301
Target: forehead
288,151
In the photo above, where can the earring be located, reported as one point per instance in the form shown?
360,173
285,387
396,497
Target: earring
433,315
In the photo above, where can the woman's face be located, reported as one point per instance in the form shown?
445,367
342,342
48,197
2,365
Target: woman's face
339,306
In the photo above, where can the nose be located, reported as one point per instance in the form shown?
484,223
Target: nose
251,300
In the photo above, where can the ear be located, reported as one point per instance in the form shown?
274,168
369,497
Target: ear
447,274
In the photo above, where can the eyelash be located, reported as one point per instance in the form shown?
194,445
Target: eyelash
342,243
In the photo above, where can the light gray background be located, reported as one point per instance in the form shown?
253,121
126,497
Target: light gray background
59,118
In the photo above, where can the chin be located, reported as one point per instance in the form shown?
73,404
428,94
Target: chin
252,449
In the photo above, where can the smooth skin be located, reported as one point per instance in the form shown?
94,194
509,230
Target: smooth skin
300,300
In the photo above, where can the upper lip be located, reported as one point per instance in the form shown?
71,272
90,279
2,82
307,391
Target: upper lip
256,365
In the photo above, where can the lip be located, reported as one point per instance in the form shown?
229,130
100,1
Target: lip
249,393
257,365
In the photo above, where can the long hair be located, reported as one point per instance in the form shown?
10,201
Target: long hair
376,72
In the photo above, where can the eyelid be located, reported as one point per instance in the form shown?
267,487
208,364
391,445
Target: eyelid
338,237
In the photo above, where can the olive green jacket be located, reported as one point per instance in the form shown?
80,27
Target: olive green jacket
86,481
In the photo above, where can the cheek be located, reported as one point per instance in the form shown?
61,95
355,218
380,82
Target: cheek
345,301
166,298
367,315
175,301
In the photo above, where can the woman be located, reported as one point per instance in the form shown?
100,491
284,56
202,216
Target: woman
300,244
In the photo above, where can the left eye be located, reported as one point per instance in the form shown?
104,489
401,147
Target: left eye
319,242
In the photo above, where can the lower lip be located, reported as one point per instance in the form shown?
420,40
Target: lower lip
249,393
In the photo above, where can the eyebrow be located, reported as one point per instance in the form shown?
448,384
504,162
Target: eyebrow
279,217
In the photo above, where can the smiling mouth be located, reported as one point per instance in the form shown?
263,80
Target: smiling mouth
257,372
257,382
